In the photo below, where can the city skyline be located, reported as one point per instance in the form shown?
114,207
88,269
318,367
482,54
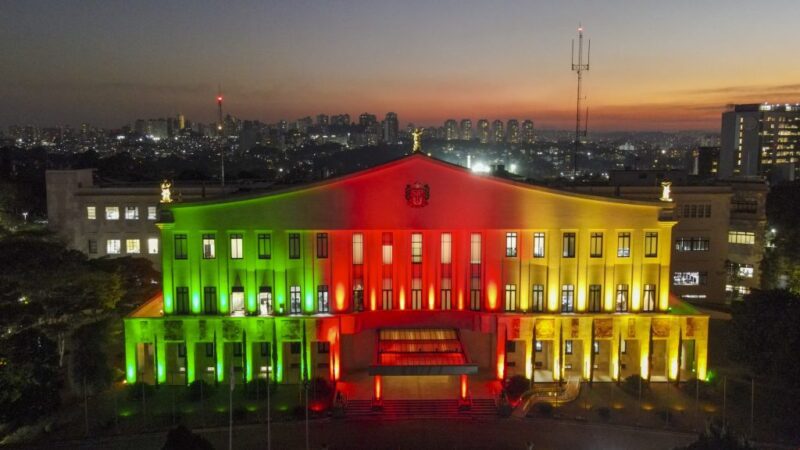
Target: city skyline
108,64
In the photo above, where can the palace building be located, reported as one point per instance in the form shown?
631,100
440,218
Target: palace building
415,268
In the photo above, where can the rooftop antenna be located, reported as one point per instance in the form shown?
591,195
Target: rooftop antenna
220,135
579,67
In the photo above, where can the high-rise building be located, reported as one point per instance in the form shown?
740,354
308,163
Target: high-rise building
528,135
450,130
706,161
366,120
322,120
512,136
391,128
498,135
483,131
340,120
466,130
760,139
181,121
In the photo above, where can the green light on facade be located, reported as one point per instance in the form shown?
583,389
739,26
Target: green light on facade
309,306
251,302
162,375
223,302
168,302
130,373
220,372
196,303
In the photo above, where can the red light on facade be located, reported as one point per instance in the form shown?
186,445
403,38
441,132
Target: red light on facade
339,297
402,299
491,295
501,365
372,302
460,300
463,387
378,392
431,297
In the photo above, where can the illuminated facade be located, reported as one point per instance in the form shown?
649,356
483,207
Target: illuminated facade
415,267
761,139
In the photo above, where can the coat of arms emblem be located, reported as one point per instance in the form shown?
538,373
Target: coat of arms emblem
417,195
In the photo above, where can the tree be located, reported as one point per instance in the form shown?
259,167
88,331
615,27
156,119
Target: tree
717,438
29,376
765,336
780,267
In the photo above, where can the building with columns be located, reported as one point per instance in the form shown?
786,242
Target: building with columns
415,268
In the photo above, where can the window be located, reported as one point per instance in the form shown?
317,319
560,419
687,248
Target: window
295,303
622,298
237,349
744,205
746,270
209,350
595,298
264,246
475,299
180,246
416,247
237,300
649,303
567,298
92,244
650,244
323,347
568,347
538,346
322,245
511,347
236,246
596,347
538,245
568,245
91,212
511,245
131,213
537,299
741,237
416,299
696,211
447,248
112,213
358,248
623,346
596,245
386,248
152,246
446,296
294,245
265,300
475,248
511,297
689,278
182,300
152,213
358,296
295,348
209,247
692,244
210,300
387,294
113,246
624,245
132,246
323,304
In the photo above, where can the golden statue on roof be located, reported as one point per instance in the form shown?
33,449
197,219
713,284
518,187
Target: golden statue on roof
166,191
417,135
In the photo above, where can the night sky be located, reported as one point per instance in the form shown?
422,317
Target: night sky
659,65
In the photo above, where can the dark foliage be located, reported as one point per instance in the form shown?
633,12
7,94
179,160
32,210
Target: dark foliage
516,386
181,438
765,336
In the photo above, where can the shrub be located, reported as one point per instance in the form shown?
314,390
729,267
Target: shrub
257,389
705,390
544,409
136,390
182,438
197,387
516,386
631,384
604,412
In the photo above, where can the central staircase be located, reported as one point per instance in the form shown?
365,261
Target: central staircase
403,409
